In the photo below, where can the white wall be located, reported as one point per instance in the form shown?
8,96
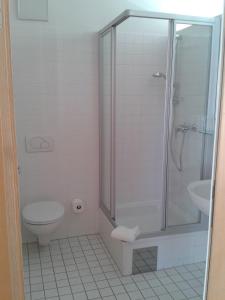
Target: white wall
55,73
206,8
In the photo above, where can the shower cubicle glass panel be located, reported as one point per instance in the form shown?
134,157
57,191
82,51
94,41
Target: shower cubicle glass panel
157,122
188,114
105,111
141,66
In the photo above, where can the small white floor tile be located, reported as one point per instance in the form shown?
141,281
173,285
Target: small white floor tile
80,268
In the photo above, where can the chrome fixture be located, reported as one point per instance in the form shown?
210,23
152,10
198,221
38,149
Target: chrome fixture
159,75
185,128
178,37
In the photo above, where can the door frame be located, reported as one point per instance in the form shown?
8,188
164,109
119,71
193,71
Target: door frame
215,278
11,271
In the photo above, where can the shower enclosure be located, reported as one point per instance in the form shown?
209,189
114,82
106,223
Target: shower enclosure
158,78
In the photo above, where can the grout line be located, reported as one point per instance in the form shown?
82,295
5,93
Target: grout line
38,252
71,248
28,260
64,248
41,268
50,252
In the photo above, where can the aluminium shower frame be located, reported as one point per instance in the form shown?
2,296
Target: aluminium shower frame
215,23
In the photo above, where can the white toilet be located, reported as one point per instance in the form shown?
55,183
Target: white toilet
42,219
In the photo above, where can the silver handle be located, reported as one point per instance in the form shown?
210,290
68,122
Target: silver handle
186,127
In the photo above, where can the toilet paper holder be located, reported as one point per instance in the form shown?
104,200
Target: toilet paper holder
78,206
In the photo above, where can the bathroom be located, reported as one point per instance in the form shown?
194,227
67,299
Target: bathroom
116,108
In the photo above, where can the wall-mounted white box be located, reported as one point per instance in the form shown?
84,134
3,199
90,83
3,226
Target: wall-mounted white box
36,10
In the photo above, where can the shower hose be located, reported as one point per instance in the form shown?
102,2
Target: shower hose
172,136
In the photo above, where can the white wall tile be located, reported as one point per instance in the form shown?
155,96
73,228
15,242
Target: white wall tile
55,76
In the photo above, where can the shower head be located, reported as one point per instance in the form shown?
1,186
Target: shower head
178,37
159,75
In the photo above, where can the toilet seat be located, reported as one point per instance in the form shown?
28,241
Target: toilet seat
45,212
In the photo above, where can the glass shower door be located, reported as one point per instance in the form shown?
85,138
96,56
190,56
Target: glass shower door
141,66
188,115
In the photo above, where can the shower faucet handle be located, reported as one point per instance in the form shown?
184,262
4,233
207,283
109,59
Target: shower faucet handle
186,127
193,127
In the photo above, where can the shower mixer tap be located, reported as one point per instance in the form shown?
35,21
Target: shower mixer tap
182,128
186,127
159,75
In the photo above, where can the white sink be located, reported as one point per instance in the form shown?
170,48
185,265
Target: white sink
200,194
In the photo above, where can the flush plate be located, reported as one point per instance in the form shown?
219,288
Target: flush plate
39,144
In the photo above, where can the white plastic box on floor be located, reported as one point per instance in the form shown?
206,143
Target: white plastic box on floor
173,250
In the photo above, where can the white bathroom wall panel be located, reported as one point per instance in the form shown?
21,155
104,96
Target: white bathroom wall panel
55,75
33,10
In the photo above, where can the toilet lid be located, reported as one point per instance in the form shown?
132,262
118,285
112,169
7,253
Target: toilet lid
45,212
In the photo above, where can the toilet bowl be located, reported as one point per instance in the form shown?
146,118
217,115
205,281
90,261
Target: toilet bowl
42,219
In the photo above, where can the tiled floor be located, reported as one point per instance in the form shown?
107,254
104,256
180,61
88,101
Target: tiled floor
81,268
